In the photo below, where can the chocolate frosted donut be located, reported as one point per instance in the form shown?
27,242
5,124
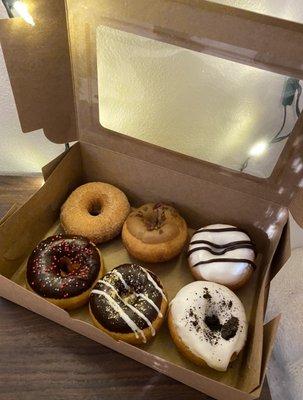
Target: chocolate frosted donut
208,324
63,269
129,303
154,233
223,254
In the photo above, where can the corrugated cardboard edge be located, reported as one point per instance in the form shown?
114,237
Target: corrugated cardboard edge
48,169
10,212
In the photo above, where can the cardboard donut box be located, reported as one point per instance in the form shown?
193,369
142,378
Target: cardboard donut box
53,72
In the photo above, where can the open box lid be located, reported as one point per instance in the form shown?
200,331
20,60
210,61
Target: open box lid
53,71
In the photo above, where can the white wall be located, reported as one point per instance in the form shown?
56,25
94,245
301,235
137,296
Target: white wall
19,153
291,10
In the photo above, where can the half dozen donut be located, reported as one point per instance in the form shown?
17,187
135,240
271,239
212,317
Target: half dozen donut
206,319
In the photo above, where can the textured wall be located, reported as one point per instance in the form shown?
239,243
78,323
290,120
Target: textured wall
287,9
189,102
19,153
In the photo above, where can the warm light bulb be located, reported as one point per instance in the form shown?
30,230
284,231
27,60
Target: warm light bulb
22,10
258,148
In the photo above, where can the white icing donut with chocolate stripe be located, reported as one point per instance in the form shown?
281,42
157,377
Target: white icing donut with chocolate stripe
223,254
208,324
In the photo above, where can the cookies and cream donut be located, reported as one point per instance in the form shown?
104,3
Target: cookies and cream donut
129,303
208,324
95,210
63,269
154,233
223,254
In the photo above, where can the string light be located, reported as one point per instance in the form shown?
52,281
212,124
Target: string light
258,149
22,10
292,87
18,9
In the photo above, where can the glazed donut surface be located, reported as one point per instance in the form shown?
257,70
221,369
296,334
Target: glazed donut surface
64,267
208,324
95,210
223,254
154,233
129,303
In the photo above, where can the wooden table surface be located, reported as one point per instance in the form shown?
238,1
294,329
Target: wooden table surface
42,360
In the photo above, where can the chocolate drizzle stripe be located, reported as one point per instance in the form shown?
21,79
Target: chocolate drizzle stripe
222,246
225,249
133,326
235,260
231,229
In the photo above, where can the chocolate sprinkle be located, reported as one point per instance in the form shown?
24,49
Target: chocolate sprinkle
213,323
206,294
229,329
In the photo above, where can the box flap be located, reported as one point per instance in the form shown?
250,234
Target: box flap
43,87
38,64
282,253
184,24
296,207
270,331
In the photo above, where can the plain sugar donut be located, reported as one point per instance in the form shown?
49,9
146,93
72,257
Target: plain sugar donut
95,210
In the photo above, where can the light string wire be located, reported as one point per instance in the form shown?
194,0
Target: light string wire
277,138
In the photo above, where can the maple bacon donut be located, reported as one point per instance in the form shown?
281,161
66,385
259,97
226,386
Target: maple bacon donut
63,269
222,253
154,233
129,303
208,324
95,210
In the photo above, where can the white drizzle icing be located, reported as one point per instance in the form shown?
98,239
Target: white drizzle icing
109,285
117,273
135,310
151,303
155,285
133,326
152,330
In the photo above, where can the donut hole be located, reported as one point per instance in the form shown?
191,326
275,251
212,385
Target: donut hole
128,295
66,266
95,208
